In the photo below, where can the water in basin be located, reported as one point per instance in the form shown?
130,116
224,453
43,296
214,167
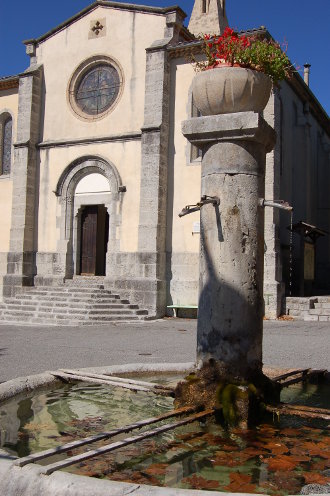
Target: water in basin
277,457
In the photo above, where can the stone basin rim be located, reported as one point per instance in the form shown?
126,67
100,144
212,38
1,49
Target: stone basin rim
13,478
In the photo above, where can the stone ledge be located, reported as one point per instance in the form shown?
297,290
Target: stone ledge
245,126
13,479
26,384
131,136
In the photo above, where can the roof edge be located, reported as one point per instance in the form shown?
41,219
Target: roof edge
299,86
9,82
109,4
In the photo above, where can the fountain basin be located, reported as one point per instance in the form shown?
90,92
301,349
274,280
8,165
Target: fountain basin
12,478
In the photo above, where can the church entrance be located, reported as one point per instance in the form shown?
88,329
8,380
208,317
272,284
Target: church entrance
94,235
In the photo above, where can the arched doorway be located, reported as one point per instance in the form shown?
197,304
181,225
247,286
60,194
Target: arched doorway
88,192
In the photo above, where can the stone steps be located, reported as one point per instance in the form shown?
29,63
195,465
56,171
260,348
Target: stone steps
55,305
67,294
310,309
75,303
95,298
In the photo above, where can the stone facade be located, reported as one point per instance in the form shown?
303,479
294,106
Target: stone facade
151,170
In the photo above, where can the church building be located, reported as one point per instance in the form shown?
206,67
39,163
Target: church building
94,168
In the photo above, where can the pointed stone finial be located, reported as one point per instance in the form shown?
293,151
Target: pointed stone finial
208,16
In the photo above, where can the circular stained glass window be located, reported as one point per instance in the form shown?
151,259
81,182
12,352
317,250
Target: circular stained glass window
97,89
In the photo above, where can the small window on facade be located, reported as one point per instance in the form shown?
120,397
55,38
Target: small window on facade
204,6
6,145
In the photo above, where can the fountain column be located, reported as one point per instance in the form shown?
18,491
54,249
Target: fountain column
230,314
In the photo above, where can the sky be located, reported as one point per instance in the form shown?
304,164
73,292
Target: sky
303,24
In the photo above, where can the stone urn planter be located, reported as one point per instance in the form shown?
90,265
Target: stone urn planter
229,89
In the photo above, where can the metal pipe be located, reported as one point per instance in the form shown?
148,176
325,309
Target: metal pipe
188,210
205,199
281,204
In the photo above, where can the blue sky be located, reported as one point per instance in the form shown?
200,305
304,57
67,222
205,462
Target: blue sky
303,23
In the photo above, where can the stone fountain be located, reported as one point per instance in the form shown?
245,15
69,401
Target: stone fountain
231,307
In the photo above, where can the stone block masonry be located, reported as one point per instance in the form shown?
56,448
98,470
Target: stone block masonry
21,263
314,308
153,188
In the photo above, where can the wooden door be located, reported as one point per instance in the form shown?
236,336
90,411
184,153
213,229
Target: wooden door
88,240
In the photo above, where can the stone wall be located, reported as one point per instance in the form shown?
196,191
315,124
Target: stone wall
8,106
273,283
182,274
21,267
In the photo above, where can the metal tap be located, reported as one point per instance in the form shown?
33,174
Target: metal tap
205,199
281,204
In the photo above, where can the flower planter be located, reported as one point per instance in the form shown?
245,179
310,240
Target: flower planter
224,90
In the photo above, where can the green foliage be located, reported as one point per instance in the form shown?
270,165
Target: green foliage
267,57
255,52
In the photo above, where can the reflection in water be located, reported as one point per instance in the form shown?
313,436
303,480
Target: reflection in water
277,458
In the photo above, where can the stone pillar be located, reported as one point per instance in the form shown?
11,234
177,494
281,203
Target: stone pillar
21,265
153,189
230,316
149,286
274,287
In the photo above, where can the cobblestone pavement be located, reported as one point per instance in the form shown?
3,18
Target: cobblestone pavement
33,349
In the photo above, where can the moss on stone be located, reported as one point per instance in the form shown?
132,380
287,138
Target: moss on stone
228,401
192,377
237,400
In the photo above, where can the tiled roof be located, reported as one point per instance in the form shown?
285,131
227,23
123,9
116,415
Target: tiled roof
7,78
196,42
8,82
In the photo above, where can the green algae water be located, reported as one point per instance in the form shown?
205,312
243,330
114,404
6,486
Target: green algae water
277,458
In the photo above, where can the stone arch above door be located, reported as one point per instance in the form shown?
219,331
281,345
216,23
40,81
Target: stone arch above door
67,221
81,167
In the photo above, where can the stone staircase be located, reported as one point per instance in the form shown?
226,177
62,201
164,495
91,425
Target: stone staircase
84,301
313,308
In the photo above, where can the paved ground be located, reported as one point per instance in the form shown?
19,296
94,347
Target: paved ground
29,350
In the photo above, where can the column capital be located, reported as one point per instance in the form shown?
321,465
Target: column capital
241,126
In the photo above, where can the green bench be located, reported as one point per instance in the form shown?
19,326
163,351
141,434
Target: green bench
178,307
